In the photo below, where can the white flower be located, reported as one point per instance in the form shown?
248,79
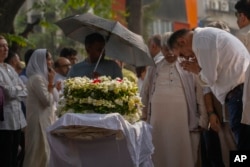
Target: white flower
101,95
119,102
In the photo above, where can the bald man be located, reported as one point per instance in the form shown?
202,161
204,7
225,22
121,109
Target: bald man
62,66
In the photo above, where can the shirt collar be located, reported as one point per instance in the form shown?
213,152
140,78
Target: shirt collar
158,57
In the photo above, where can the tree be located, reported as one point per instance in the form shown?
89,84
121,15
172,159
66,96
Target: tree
134,8
8,11
50,12
45,32
7,20
141,12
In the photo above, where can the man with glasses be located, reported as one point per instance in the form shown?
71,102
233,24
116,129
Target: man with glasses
62,66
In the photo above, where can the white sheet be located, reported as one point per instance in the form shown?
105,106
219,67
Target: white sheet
105,150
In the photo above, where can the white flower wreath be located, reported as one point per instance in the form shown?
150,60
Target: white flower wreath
101,95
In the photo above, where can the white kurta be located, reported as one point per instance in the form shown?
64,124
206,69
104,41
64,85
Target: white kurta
169,119
40,110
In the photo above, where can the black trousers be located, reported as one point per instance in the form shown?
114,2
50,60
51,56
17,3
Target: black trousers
21,154
211,155
9,142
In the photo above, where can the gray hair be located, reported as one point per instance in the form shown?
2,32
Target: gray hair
164,39
219,24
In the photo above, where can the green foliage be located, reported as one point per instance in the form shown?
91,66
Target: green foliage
47,34
23,42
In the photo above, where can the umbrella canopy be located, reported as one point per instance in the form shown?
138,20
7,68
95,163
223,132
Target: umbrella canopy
122,44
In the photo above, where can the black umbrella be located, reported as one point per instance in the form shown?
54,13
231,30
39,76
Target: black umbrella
121,44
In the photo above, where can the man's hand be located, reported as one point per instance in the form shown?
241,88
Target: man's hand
58,85
214,122
191,66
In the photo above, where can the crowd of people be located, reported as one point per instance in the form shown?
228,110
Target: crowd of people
216,61
196,97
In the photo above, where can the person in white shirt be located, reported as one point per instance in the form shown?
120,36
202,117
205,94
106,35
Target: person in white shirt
13,118
154,46
218,140
243,20
223,61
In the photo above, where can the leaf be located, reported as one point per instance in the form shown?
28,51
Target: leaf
23,42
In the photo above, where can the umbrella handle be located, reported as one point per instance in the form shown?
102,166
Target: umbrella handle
102,51
99,59
95,75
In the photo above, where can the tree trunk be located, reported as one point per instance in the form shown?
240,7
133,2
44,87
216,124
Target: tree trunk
134,8
8,11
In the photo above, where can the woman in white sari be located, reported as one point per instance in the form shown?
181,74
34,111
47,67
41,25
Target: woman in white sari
41,106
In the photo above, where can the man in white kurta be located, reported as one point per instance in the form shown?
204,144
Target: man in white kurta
175,116
223,61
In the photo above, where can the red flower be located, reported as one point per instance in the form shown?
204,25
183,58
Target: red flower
119,79
96,80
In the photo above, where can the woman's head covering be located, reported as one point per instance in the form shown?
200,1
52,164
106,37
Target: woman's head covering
38,64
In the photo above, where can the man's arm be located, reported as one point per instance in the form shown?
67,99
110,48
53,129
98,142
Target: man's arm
212,116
